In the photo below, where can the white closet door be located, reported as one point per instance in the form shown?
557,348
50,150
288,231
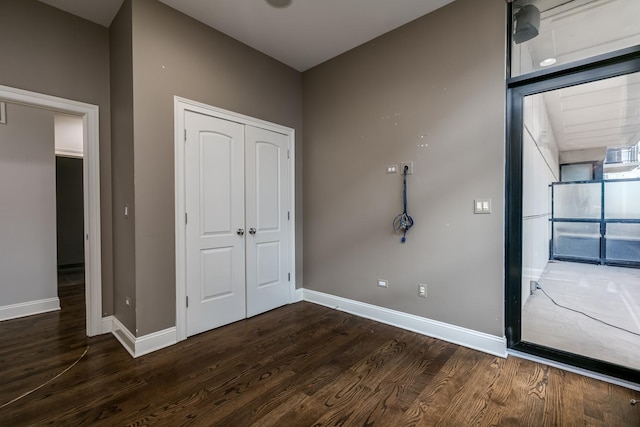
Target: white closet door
267,204
214,180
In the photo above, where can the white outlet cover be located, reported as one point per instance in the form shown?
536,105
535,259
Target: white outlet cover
383,283
422,290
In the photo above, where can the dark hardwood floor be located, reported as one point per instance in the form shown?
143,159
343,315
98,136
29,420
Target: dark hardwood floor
300,365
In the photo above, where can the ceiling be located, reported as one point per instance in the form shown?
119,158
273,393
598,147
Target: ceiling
604,113
302,35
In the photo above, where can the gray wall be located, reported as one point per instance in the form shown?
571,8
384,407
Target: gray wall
28,208
177,55
441,77
49,51
69,211
124,268
439,81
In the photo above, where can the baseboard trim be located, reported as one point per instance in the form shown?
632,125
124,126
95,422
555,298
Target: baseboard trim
155,341
139,346
107,325
298,296
481,341
122,334
29,308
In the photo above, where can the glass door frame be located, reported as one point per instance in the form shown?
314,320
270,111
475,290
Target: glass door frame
625,61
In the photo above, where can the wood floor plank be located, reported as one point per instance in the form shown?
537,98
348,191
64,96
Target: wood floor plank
393,395
515,403
300,365
468,400
307,363
430,405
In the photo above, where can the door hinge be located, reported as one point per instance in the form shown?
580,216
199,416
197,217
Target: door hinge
185,135
288,154
186,220
289,276
187,301
289,215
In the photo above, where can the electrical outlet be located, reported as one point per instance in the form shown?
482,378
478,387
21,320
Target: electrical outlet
383,283
422,290
409,166
127,301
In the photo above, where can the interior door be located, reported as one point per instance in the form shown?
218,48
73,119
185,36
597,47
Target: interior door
267,216
214,181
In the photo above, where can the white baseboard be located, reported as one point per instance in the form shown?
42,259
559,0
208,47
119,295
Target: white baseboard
457,335
145,344
126,338
298,296
29,308
107,325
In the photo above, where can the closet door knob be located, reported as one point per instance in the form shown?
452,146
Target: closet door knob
252,230
240,232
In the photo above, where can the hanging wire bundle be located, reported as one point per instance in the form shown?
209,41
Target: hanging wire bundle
403,222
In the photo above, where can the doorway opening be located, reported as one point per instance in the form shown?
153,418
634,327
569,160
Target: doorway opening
68,133
91,196
69,220
577,226
573,187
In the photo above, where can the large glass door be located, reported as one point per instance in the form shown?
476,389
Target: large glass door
581,234
573,184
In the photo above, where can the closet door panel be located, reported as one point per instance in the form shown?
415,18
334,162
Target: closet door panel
214,181
267,204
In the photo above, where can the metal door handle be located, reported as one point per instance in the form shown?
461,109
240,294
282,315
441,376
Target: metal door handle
252,230
240,232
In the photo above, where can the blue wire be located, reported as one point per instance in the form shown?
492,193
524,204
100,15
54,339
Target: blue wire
403,221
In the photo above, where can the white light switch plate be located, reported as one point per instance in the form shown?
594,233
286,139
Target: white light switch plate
482,206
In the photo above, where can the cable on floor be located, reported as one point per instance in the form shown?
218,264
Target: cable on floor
46,382
585,314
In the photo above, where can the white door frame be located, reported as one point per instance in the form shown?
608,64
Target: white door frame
91,190
180,106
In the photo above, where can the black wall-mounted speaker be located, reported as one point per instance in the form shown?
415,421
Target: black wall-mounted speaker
527,23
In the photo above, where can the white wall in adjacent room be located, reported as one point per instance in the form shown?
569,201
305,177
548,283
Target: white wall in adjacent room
27,207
